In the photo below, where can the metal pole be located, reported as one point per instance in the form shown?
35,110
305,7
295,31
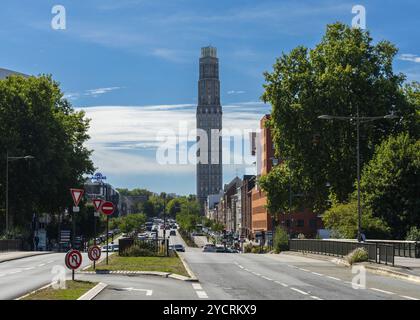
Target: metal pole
164,216
74,230
107,231
359,212
7,193
94,236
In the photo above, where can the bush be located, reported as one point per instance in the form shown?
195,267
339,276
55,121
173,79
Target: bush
281,240
357,255
138,251
248,248
413,234
301,236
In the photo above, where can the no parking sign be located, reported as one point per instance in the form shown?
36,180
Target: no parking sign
94,253
73,259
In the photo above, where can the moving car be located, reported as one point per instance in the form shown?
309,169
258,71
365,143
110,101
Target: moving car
172,233
179,247
209,248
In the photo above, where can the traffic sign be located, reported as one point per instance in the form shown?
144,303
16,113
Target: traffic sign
73,259
94,253
108,208
77,195
97,203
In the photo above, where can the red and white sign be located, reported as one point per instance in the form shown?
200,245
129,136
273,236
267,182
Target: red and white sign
94,253
73,259
97,203
108,208
77,195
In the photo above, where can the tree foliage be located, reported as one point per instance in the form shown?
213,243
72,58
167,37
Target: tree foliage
390,183
346,71
36,120
342,219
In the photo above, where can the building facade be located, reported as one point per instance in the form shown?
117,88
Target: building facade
209,125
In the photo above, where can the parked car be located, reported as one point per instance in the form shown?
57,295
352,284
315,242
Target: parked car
172,233
209,248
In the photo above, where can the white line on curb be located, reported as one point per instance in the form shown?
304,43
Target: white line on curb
383,291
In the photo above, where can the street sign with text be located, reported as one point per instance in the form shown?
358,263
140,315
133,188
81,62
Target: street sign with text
76,195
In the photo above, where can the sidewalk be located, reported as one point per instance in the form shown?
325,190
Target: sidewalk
404,268
14,255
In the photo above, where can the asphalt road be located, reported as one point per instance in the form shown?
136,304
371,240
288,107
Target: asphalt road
21,276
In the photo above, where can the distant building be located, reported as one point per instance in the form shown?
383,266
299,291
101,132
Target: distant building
102,190
248,183
209,120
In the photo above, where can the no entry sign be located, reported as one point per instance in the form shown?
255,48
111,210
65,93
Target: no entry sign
73,259
108,208
76,195
94,253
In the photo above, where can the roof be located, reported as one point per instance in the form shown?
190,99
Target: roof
6,72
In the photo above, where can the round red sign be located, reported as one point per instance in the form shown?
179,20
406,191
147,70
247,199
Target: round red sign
94,253
73,259
107,208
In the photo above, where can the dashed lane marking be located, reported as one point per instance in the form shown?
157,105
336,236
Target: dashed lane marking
333,278
266,278
202,294
383,291
316,298
41,265
304,270
318,274
281,283
197,286
300,291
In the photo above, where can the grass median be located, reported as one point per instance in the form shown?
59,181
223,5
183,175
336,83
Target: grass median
162,264
73,291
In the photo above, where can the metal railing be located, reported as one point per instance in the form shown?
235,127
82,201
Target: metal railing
378,253
10,245
408,249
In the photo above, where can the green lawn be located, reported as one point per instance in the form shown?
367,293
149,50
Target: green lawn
162,264
74,290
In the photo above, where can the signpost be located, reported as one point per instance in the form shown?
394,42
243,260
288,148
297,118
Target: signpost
77,196
94,253
73,260
108,209
97,203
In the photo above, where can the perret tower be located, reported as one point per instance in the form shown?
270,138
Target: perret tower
209,120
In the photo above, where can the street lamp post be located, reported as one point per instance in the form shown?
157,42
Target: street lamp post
7,183
359,120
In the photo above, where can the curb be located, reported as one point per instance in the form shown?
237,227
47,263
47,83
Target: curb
127,273
92,293
392,273
29,256
193,277
99,261
35,291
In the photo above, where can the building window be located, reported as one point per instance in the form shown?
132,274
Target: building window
312,223
300,223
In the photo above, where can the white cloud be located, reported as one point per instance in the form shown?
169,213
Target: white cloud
236,92
99,91
409,57
124,137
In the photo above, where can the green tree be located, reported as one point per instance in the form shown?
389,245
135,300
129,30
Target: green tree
390,183
342,219
36,120
346,71
281,240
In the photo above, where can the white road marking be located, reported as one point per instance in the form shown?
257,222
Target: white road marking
383,291
334,278
318,274
247,270
51,261
316,298
197,286
281,283
267,278
300,291
2,274
41,265
14,272
240,266
304,270
409,298
202,294
256,273
29,268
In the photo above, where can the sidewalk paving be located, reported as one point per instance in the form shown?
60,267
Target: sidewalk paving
14,255
407,268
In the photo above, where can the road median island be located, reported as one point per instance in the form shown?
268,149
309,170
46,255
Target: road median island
142,265
73,291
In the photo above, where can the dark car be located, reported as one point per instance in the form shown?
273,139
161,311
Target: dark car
179,248
172,233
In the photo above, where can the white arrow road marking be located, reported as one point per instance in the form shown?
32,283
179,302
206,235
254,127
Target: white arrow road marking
148,292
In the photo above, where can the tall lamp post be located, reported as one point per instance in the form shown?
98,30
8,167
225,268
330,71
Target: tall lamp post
359,120
10,159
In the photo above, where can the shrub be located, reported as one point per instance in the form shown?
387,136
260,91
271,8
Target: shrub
138,251
413,234
281,240
248,248
357,255
301,236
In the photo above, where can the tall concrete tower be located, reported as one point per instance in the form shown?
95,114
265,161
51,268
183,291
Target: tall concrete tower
209,124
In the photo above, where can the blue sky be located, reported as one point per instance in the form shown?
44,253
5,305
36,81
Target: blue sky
133,64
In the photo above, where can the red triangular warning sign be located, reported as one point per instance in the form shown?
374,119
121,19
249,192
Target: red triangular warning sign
97,204
77,195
